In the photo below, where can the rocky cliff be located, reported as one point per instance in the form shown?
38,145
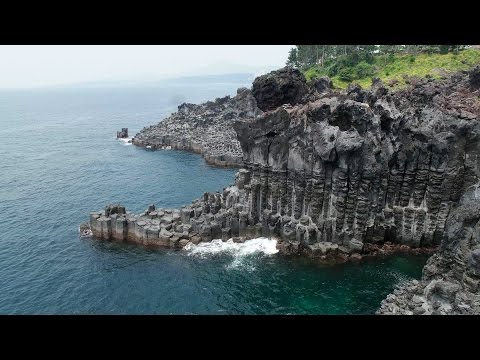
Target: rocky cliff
338,174
450,282
205,129
364,167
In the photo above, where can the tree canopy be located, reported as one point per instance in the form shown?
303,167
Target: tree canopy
304,56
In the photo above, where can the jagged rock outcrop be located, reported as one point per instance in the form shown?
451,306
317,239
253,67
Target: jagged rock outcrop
336,175
284,86
386,169
475,77
122,134
205,129
343,172
114,209
323,84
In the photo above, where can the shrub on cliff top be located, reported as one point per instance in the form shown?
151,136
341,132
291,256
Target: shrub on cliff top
392,66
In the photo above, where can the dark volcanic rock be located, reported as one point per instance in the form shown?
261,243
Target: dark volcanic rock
114,209
341,175
383,168
284,86
355,92
475,77
451,277
323,84
122,134
205,129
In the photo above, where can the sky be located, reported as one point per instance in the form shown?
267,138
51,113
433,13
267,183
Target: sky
28,66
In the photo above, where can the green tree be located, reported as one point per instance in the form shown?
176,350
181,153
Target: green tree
363,70
292,60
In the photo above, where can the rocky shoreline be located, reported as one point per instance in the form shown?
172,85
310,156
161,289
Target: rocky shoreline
450,281
205,129
335,175
176,228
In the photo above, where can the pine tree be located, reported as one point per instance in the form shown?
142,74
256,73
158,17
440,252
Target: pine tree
292,60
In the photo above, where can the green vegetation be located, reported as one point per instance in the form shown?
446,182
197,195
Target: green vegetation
392,64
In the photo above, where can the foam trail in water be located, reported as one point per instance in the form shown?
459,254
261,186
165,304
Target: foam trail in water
260,245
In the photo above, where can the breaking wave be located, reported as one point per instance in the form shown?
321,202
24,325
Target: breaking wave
240,251
125,141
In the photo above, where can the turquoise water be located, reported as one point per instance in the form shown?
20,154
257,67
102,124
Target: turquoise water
60,160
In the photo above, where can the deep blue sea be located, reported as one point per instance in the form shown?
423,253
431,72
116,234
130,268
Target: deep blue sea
60,160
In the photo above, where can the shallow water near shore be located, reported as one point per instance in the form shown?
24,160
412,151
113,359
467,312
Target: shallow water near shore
60,160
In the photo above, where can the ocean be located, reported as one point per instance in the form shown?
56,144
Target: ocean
60,160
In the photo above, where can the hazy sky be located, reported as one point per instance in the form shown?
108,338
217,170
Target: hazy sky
24,66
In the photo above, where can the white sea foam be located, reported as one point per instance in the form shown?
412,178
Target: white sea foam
125,141
241,252
260,245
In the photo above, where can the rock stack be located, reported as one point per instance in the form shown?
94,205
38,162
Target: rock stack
122,134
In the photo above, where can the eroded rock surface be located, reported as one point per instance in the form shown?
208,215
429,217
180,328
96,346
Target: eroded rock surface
205,129
450,282
386,168
337,175
123,134
284,86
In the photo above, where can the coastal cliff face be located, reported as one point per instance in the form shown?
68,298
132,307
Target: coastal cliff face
205,129
450,281
337,175
364,167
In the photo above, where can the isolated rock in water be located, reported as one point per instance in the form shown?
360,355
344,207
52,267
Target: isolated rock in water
284,86
122,134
